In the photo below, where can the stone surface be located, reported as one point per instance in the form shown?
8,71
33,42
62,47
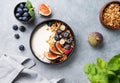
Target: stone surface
83,18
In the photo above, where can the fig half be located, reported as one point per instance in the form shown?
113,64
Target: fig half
51,56
44,10
53,50
59,47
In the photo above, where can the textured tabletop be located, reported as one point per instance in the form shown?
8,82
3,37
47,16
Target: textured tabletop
83,18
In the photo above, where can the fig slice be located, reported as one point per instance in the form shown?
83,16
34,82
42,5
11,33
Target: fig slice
59,47
51,56
53,50
44,9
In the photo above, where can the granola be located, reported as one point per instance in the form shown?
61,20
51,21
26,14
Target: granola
111,15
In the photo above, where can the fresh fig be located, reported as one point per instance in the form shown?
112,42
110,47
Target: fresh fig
44,9
59,47
54,50
51,56
95,39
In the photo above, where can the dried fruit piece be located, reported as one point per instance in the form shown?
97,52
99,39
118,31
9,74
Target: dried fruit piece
95,39
44,10
62,27
62,41
51,56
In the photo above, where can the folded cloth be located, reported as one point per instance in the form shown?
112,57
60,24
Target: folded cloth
18,70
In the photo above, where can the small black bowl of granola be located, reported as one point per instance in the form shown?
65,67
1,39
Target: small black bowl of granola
110,15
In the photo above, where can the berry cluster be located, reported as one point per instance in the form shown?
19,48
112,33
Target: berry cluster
22,12
17,36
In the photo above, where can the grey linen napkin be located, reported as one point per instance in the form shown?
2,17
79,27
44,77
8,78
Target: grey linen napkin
18,70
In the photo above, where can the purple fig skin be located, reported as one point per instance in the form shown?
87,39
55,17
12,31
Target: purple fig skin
95,39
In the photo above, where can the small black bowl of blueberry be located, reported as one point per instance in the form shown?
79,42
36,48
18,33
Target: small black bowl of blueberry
24,12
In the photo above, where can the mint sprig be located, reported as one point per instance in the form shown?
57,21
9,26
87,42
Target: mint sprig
31,12
104,72
28,4
30,8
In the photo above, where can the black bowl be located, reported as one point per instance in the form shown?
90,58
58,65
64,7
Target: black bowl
30,18
37,27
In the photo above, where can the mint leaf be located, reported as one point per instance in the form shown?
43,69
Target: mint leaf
28,4
114,80
104,72
90,69
118,76
114,63
100,79
101,63
30,8
111,73
31,12
95,74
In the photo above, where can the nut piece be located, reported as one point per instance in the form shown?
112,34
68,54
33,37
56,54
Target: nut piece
95,39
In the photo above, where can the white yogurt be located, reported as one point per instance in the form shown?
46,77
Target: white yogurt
39,44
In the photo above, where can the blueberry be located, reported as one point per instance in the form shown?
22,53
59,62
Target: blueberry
25,19
59,31
21,48
49,23
17,15
17,36
69,41
15,27
57,38
29,17
25,14
19,10
66,34
20,18
22,5
67,47
25,10
22,28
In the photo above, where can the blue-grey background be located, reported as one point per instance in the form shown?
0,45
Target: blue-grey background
81,15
